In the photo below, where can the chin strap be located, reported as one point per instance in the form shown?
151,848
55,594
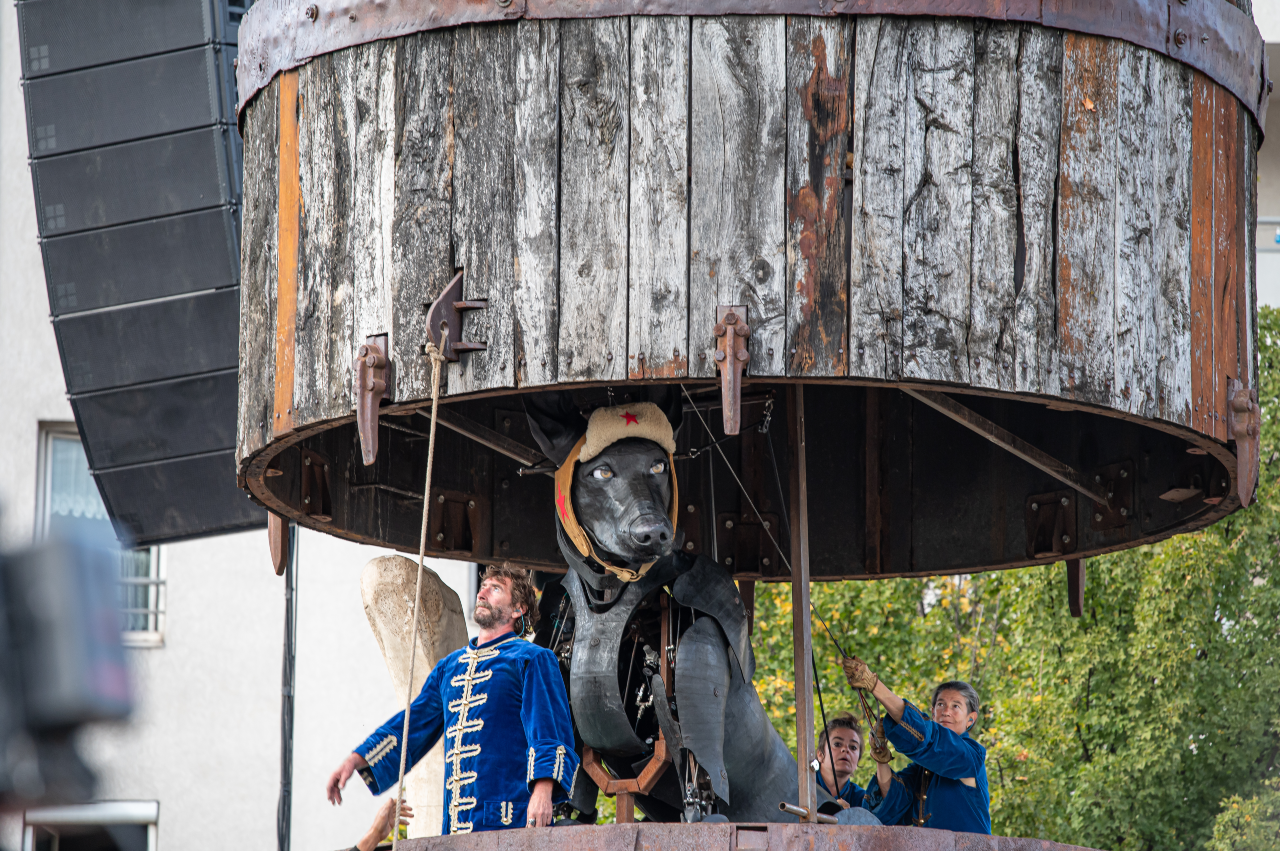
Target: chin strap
578,537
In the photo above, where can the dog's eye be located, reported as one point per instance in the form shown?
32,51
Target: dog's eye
602,473
658,467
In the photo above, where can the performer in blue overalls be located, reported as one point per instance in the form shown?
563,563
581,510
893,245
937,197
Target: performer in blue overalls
945,786
501,705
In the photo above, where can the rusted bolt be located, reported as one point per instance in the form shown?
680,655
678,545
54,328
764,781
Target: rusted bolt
702,356
688,545
608,356
730,318
351,17
719,356
1066,539
306,461
1179,38
675,353
1064,501
718,329
440,498
1124,513
728,560
728,525
770,351
1097,516
743,356
313,12
471,504
1035,507
766,562
306,499
439,536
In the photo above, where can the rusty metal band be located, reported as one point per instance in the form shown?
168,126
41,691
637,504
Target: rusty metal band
1212,36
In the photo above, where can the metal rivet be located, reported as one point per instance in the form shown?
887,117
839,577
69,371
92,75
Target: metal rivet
1035,507
313,12
1065,501
440,499
506,421
1179,38
471,504
1124,474
728,560
1097,516
1124,513
728,525
716,692
351,17
506,483
766,524
690,509
1066,538
506,545
306,499
439,536
688,545
702,356
608,356
766,562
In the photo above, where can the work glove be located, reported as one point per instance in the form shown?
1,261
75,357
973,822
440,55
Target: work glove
857,673
879,745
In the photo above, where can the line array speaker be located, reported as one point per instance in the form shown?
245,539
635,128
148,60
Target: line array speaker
135,165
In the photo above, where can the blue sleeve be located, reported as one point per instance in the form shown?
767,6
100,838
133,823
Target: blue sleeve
938,749
382,749
894,807
548,725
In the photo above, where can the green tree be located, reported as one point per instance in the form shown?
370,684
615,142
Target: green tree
1151,722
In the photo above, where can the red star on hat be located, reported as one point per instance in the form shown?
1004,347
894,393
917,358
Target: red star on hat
560,502
630,418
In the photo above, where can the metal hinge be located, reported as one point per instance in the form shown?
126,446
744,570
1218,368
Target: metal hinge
1245,423
444,317
372,377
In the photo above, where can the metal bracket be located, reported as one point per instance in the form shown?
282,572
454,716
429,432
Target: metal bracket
458,522
1075,587
371,380
278,536
1115,481
627,788
445,315
744,546
691,524
1051,525
1242,408
731,331
315,487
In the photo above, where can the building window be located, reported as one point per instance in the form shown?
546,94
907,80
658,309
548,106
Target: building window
69,504
99,825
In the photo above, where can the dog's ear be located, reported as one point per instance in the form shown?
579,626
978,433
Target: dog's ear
671,400
555,422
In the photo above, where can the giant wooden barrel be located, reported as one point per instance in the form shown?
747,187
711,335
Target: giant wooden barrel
1041,212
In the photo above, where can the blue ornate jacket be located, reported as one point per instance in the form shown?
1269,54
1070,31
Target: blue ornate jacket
502,709
850,792
929,791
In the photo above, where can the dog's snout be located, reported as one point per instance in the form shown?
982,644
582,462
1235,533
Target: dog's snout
651,530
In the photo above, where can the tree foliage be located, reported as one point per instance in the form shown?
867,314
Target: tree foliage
1151,722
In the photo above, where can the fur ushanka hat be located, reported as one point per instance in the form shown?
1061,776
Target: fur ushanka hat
606,427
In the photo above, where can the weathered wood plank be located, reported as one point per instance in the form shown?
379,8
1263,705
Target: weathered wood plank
1227,238
288,245
1138,219
658,322
937,216
1201,304
993,337
1173,246
369,104
326,295
1249,290
258,273
422,236
594,151
819,59
484,78
738,203
1086,219
536,303
875,266
1036,167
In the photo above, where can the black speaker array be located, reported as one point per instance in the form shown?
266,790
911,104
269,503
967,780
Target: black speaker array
135,162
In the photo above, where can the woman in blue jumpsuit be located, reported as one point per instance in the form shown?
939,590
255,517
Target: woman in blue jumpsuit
945,786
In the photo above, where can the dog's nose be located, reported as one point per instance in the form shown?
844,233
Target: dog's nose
651,530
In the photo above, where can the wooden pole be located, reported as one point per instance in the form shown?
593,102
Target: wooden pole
801,629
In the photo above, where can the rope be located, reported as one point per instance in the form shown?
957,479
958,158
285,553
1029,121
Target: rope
437,358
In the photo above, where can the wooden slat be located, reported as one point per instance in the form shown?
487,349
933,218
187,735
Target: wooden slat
1201,303
594,143
938,195
819,54
537,188
326,303
1138,221
369,103
658,329
1086,219
1173,246
737,203
1247,310
422,234
484,76
1227,238
1039,130
875,269
258,273
287,240
992,332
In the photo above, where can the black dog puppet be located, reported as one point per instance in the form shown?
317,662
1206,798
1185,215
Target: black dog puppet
616,502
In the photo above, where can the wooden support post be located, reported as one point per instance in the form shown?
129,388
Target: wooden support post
1075,587
801,629
872,560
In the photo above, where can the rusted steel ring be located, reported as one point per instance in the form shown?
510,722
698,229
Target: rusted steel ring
1212,36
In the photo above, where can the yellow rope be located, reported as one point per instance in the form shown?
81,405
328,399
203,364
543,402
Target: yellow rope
437,358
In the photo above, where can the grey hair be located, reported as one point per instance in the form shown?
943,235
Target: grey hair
970,694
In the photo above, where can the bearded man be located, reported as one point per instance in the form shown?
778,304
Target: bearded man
500,703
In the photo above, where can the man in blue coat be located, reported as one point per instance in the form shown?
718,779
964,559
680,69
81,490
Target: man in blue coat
945,786
501,706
